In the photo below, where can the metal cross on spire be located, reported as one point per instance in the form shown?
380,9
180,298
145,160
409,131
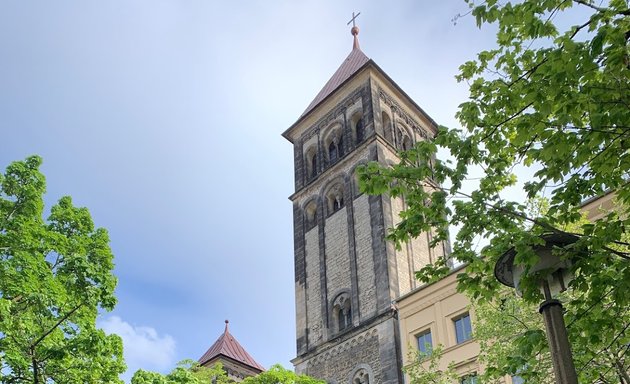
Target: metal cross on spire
354,31
353,18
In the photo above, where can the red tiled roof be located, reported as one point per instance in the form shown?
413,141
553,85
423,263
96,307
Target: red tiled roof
355,60
227,346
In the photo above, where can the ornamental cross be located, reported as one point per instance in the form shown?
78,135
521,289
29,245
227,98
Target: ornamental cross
353,17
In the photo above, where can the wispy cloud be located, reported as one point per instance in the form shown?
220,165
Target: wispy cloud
143,346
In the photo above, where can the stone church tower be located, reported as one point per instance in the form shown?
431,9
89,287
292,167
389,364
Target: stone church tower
346,274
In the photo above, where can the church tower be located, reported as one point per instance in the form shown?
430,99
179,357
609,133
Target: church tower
346,273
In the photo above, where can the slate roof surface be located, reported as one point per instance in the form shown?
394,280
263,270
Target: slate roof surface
355,60
227,346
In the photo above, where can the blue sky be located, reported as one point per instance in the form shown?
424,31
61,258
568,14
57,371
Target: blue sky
164,119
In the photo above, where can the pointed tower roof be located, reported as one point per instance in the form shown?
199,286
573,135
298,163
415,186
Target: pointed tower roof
355,61
227,346
351,67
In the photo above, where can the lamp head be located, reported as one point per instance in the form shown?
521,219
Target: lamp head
558,275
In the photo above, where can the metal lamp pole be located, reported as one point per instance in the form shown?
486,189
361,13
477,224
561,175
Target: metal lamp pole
510,274
561,356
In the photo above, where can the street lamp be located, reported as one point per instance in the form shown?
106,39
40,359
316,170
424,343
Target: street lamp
555,276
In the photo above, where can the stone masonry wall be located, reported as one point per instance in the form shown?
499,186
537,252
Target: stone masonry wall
337,256
313,295
402,255
373,348
421,252
365,259
338,363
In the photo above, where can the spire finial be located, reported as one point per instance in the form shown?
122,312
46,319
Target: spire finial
226,325
354,30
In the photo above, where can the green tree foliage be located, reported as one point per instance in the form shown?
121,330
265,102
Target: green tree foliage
189,372
279,375
55,274
512,339
186,372
555,99
522,342
426,368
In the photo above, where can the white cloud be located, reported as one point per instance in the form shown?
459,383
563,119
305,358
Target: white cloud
143,346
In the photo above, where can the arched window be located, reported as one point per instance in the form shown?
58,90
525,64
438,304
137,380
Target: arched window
406,143
387,127
334,145
399,138
340,145
310,214
337,203
334,199
359,130
403,138
312,161
342,312
332,151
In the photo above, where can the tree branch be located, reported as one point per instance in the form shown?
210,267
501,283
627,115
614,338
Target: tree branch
621,371
494,129
64,318
625,12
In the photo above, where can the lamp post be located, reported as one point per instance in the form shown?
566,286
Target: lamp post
555,281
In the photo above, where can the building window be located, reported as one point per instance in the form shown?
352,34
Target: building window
332,152
345,318
425,342
463,328
406,143
340,151
337,203
313,165
335,199
470,379
311,215
387,127
334,145
342,312
359,130
310,160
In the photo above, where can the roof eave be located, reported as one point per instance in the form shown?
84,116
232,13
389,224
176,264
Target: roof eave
258,368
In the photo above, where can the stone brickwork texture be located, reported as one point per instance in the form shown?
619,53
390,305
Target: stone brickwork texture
337,257
339,362
313,290
402,255
365,260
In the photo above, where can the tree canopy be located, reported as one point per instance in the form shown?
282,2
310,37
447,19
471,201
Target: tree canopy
279,375
190,372
186,372
552,97
55,275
